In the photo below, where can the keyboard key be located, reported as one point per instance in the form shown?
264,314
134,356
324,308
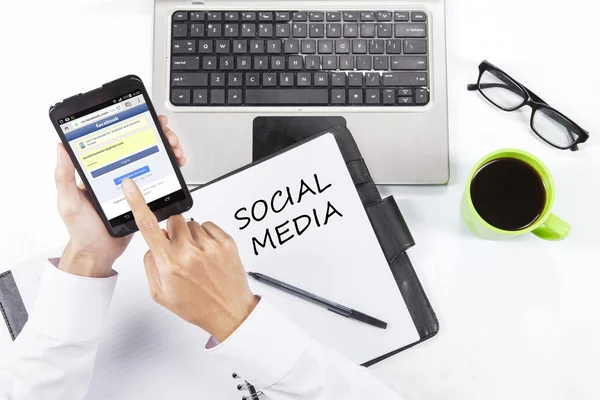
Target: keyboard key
300,30
287,97
282,31
189,79
231,30
181,16
205,46
278,62
342,46
234,79
350,30
384,16
252,79
265,31
411,30
184,46
316,16
347,63
389,96
269,79
295,63
359,46
394,46
283,16
213,30
385,30
405,79
309,46
261,63
214,16
403,92
338,96
405,101
334,16
304,79
313,62
222,46
200,96
197,15
300,16
232,16
418,16
317,30
248,30
401,16
355,96
286,79
243,63
409,63
186,63
381,63
257,46
240,46
325,46
330,63
234,96
273,46
265,16
373,96
350,16
217,79
197,30
226,63
363,63
376,46
180,30
209,63
355,79
367,16
367,30
372,79
415,46
334,30
180,96
217,96
338,79
321,79
421,96
292,46
249,16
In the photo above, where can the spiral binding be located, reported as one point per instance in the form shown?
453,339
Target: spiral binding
253,393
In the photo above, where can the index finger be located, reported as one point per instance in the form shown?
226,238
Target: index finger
144,218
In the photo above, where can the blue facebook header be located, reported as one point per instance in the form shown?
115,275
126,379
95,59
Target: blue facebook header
114,119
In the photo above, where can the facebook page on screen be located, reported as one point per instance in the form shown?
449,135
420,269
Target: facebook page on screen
117,142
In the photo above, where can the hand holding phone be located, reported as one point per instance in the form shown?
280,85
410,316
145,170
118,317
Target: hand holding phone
113,133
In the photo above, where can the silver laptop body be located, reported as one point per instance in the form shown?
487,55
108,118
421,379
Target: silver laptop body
401,145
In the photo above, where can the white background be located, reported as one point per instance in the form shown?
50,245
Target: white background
519,319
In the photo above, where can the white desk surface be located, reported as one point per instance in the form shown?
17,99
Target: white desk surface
519,319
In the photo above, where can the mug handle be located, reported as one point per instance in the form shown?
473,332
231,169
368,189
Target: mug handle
553,228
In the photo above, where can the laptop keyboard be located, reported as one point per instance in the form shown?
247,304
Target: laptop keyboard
299,58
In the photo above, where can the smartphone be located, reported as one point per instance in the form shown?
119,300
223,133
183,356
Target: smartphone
112,133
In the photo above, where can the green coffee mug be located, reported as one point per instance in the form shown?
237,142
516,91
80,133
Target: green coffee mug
548,226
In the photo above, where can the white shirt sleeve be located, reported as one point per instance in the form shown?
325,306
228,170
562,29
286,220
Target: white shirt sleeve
53,357
280,360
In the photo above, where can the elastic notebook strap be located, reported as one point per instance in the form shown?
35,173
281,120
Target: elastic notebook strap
390,228
11,305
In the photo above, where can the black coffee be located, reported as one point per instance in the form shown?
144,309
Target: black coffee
508,194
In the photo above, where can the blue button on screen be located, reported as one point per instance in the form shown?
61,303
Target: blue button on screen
132,174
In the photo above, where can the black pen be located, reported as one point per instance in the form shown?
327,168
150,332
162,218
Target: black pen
330,305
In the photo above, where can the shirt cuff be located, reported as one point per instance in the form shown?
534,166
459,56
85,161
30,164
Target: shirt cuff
265,348
71,308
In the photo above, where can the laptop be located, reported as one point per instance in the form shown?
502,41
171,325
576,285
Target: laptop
381,65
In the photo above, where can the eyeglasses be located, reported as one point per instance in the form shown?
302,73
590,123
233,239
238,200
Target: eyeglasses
509,95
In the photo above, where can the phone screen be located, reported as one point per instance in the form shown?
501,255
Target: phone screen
116,140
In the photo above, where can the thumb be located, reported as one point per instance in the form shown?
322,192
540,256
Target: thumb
66,186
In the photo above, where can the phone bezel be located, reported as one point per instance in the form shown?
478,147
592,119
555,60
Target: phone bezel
107,92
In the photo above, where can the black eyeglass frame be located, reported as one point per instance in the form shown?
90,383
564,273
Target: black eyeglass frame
532,100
